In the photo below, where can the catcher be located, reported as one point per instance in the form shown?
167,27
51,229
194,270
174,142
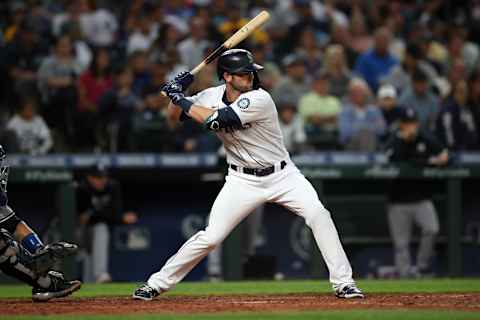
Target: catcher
24,256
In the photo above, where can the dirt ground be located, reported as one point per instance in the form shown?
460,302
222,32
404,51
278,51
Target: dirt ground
213,304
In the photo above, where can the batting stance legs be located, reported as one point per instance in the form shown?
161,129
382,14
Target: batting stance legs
238,197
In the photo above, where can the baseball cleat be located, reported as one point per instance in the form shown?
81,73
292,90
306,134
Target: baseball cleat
58,288
349,291
145,292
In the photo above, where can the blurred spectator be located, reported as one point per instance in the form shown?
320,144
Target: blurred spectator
21,59
99,208
77,11
92,85
18,14
294,81
192,49
474,101
57,83
95,81
138,63
171,58
360,40
336,68
309,49
319,111
400,76
361,124
150,132
459,49
387,101
81,50
456,124
235,21
143,36
102,27
340,35
33,134
376,62
117,106
291,125
410,201
422,100
167,41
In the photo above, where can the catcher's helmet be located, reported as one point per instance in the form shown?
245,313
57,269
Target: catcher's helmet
237,61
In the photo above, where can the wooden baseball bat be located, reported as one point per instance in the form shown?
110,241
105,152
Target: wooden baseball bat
235,39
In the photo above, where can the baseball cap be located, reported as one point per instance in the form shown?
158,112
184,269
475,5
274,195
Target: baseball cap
387,91
408,115
98,170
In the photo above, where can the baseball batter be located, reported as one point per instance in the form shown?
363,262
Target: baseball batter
244,117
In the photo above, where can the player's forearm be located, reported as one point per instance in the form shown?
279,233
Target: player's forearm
200,114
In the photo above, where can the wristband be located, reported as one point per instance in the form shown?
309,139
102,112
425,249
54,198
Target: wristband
185,104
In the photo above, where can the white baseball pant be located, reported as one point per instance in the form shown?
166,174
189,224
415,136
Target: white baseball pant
240,195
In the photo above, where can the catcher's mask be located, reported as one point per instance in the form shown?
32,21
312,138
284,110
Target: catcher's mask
3,170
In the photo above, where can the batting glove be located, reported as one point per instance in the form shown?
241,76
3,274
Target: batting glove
185,79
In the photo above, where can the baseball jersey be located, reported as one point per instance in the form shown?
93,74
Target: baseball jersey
259,143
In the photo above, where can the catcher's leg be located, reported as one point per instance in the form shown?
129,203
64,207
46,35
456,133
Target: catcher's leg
16,262
44,257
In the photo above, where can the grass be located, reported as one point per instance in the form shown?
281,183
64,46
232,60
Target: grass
268,287
273,287
324,315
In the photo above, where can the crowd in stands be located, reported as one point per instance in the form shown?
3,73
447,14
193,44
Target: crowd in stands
84,75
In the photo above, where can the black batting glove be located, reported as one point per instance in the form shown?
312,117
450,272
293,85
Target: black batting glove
185,79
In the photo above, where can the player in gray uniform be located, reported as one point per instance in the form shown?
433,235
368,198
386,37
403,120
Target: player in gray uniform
24,256
244,117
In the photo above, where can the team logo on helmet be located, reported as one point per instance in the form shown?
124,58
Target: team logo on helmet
243,103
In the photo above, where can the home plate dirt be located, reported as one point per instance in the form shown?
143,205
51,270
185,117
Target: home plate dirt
239,303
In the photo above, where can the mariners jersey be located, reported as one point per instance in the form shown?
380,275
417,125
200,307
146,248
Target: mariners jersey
259,142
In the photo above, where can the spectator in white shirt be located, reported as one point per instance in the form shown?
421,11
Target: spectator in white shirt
192,49
32,132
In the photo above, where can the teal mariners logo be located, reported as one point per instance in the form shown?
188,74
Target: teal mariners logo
243,103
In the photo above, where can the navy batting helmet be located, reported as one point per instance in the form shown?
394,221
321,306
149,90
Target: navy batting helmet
236,61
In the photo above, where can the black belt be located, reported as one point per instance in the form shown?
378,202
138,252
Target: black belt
259,172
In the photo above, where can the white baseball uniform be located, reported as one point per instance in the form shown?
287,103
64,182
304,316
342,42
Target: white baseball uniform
259,145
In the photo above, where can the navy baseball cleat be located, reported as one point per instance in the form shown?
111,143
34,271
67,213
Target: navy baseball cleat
349,291
145,292
58,288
